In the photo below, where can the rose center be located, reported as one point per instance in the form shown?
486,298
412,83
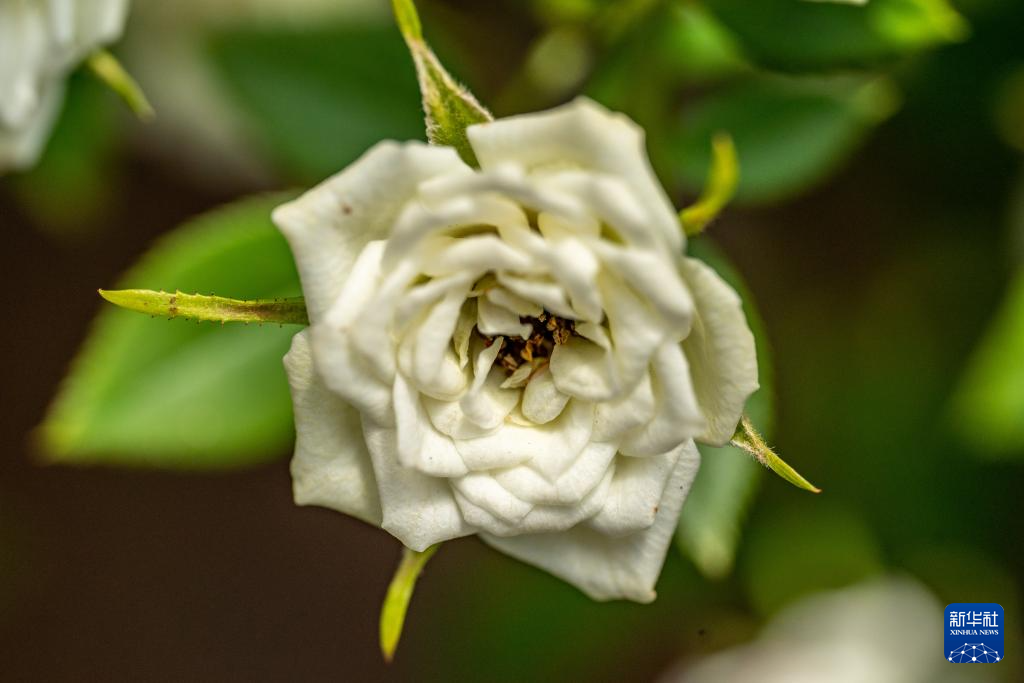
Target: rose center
548,331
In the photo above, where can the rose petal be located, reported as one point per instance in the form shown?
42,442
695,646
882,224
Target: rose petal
426,355
329,225
611,201
570,487
636,493
418,510
635,329
343,369
464,331
553,444
550,295
419,445
723,359
331,466
517,304
588,135
607,567
583,369
444,255
493,320
656,277
612,419
541,519
486,404
677,417
542,401
509,181
487,494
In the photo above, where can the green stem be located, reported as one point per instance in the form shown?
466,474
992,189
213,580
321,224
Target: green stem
291,311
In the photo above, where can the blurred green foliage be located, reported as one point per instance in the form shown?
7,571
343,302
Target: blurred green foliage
788,133
319,98
990,403
146,392
71,189
819,36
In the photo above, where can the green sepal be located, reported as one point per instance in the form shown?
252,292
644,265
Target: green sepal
723,178
449,107
396,602
747,438
201,307
111,73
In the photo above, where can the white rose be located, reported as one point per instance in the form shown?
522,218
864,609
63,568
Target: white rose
40,42
520,351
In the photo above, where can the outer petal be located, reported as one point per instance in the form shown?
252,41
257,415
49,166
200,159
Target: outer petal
418,510
331,466
605,567
420,446
677,417
341,366
636,493
720,348
585,133
328,226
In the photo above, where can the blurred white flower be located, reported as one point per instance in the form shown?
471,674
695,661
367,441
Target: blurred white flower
520,351
40,42
882,631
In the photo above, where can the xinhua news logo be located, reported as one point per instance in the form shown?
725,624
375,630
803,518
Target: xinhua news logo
974,633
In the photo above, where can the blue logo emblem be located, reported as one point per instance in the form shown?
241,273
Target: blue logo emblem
974,633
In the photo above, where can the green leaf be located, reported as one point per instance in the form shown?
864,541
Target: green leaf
989,404
319,98
788,134
396,602
449,107
712,519
721,186
153,392
817,36
205,308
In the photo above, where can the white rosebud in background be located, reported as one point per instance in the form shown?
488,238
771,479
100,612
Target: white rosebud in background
520,351
40,42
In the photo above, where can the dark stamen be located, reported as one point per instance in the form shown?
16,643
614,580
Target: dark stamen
548,331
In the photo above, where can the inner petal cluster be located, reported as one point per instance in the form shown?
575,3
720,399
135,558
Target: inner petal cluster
520,339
